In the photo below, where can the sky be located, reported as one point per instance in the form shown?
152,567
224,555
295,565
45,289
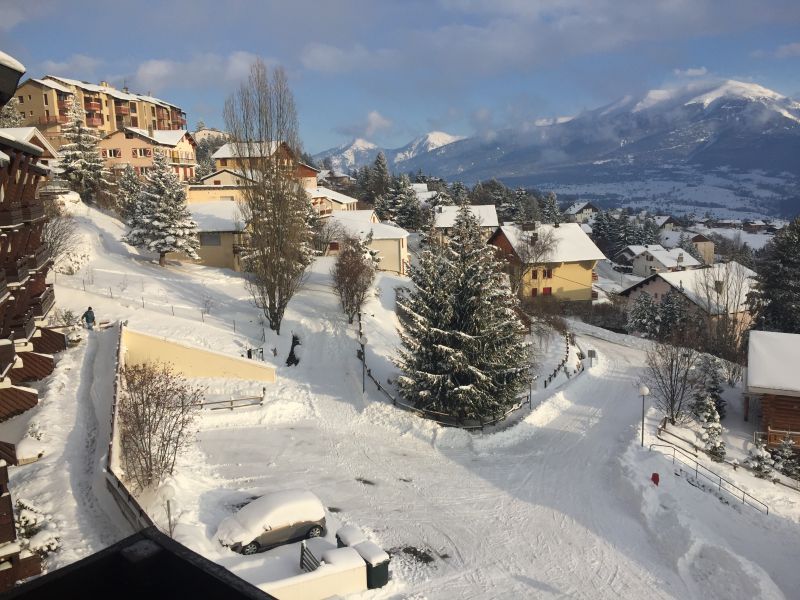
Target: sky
392,70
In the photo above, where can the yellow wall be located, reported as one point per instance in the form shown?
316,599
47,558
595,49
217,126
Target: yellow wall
706,250
570,281
222,256
224,178
393,254
209,193
190,361
181,157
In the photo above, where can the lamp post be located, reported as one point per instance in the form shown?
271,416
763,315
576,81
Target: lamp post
168,494
363,341
644,391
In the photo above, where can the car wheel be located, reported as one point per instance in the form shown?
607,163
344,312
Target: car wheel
315,531
250,548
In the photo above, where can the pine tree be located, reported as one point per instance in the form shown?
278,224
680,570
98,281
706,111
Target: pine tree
80,160
672,313
161,221
685,244
550,211
379,179
441,198
712,430
785,458
760,461
129,187
650,234
776,299
10,114
643,317
710,384
459,193
405,204
463,353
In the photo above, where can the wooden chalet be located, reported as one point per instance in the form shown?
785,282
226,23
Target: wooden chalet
773,384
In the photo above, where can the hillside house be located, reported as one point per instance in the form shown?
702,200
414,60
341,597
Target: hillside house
773,384
242,157
565,272
333,177
704,247
755,226
628,253
326,201
136,147
444,217
33,136
221,232
389,242
665,222
659,260
581,212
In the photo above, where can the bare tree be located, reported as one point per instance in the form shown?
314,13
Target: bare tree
156,413
325,231
60,232
262,121
671,378
532,251
353,274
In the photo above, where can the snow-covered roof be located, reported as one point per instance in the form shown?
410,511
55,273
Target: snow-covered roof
27,134
104,89
576,207
323,192
661,219
235,150
360,216
11,62
426,196
216,215
445,216
233,172
276,510
677,257
164,137
9,136
635,250
53,85
571,244
587,229
419,187
772,363
358,226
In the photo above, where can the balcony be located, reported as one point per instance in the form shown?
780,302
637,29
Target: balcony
94,121
3,284
7,354
93,105
38,260
62,105
33,212
122,109
10,216
42,303
22,328
52,120
17,271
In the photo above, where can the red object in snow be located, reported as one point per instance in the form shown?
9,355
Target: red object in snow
654,478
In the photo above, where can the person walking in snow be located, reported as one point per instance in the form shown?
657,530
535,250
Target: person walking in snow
88,318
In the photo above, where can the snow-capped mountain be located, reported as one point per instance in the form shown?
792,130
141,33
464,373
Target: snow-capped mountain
360,152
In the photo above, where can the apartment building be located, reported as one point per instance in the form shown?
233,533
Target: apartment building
237,157
43,103
135,147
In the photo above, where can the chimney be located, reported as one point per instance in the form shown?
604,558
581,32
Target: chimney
529,226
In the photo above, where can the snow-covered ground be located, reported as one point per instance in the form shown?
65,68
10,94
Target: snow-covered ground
558,504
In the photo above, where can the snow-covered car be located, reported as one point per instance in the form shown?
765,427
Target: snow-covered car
272,520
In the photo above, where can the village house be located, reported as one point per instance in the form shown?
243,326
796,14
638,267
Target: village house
388,242
326,201
665,222
565,272
444,217
773,384
659,260
628,253
704,247
136,147
221,233
241,158
581,212
44,103
755,226
33,136
224,184
333,177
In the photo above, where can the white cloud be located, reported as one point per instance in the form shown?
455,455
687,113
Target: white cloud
691,72
788,50
200,71
372,124
325,58
77,66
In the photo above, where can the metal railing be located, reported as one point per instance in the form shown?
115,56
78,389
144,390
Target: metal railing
233,403
718,480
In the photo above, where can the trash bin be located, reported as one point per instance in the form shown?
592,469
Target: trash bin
377,564
349,535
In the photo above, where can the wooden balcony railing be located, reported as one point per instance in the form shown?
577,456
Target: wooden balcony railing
24,327
42,303
122,109
11,216
17,271
93,105
32,212
52,120
94,121
39,259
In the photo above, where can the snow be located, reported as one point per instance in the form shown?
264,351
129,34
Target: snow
697,285
53,85
164,137
371,553
360,225
216,215
772,363
571,242
350,535
755,240
338,197
232,149
278,509
11,62
737,89
445,216
676,257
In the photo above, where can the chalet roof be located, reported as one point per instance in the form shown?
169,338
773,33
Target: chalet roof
576,207
216,215
635,250
357,225
445,216
339,198
4,159
10,137
162,137
225,170
571,242
700,238
28,134
253,149
772,363
662,220
676,257
698,285
53,85
419,187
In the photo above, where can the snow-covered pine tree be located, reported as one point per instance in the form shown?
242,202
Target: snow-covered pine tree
685,244
650,234
672,313
384,207
712,430
643,317
129,187
441,198
161,221
379,179
786,460
760,461
406,204
463,351
710,379
549,209
10,114
459,193
80,159
777,296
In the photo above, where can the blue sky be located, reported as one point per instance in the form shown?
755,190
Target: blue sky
390,71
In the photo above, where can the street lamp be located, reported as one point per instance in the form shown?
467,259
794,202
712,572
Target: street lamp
644,391
167,493
363,341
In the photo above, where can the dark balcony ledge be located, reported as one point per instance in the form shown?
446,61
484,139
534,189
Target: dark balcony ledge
11,217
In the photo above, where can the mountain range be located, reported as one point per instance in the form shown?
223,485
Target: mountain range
725,146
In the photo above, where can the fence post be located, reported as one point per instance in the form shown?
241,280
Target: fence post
84,284
173,309
110,293
202,316
142,301
234,326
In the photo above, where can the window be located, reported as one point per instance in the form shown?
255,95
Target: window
133,107
21,99
333,246
535,274
210,238
29,97
223,162
134,121
548,291
46,101
153,111
31,113
650,257
548,273
534,293
217,182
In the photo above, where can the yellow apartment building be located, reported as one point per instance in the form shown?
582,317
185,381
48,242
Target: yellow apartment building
135,147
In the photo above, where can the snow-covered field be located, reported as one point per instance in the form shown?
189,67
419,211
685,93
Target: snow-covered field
558,504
